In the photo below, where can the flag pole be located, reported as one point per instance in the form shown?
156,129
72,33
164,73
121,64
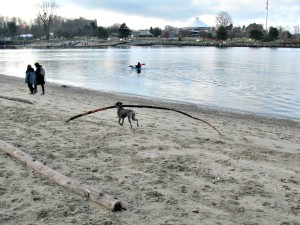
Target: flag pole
267,8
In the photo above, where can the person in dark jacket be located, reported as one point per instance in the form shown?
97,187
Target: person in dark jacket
139,65
30,78
40,77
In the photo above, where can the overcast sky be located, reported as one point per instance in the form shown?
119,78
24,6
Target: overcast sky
141,14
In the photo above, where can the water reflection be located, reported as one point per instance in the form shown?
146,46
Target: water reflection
260,80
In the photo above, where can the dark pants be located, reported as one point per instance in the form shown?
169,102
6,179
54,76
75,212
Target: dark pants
31,88
43,88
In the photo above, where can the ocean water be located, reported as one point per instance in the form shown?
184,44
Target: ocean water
252,80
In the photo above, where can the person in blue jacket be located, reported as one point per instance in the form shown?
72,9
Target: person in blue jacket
30,79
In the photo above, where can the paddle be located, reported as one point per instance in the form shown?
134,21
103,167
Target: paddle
135,67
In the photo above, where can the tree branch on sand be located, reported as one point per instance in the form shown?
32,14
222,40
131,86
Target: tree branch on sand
64,181
142,106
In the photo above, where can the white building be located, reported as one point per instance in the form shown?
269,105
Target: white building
142,33
196,26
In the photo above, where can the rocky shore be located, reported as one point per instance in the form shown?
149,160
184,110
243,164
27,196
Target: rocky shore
150,42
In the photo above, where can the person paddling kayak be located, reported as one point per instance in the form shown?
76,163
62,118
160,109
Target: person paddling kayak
137,66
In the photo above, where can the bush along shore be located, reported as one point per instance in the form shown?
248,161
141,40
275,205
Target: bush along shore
223,44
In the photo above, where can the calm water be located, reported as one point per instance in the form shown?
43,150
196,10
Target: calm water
257,80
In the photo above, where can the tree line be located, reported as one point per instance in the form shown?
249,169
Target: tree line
254,31
48,23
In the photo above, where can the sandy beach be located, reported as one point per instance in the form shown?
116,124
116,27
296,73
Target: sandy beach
169,170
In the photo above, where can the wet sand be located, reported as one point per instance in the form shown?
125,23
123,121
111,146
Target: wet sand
169,170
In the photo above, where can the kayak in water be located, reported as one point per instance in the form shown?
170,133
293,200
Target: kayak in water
135,68
138,66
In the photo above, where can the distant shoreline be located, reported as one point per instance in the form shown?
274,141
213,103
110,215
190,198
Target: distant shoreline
162,43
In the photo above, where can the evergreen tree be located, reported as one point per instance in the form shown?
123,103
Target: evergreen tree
273,33
151,30
222,33
102,32
12,29
256,34
157,32
124,31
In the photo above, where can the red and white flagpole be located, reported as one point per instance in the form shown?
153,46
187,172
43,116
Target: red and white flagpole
267,8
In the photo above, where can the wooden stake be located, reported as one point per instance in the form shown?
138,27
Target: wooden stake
64,181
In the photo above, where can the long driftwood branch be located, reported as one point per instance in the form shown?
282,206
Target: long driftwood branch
142,106
89,112
64,181
17,99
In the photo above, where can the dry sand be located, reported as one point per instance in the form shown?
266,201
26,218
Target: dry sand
170,170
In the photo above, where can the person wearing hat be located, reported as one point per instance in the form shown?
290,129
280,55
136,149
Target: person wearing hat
40,77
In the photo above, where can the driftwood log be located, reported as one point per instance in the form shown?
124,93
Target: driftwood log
89,112
64,181
142,106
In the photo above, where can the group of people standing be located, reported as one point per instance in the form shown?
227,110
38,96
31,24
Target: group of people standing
34,78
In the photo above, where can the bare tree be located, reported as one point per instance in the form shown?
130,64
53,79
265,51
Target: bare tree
223,19
296,29
47,15
183,33
202,34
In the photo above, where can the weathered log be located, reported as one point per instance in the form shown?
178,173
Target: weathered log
64,181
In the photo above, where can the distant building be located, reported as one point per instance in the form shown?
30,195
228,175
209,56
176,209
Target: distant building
3,39
25,36
198,23
195,27
142,33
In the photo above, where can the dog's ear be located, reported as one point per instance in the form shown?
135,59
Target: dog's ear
119,104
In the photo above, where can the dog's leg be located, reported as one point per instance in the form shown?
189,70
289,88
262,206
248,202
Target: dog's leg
129,121
134,119
120,121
